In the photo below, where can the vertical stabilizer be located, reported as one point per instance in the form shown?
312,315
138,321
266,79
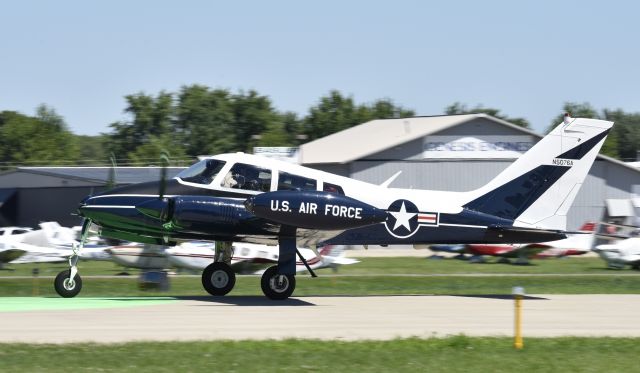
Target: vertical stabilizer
538,189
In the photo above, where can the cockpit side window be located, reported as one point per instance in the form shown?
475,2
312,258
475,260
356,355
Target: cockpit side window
332,188
287,181
248,177
202,172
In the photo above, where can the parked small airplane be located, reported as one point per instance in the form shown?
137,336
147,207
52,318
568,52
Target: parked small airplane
244,198
621,253
577,243
51,243
251,258
197,255
10,250
140,256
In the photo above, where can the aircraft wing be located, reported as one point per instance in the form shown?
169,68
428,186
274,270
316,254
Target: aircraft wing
10,255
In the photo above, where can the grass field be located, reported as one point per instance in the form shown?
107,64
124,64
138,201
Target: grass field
451,354
378,266
373,276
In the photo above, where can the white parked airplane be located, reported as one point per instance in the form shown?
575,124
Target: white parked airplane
51,243
252,258
621,253
197,255
9,249
140,256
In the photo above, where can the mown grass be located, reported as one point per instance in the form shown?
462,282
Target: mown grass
374,276
376,266
450,354
354,286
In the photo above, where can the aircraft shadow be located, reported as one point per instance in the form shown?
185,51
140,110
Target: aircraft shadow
247,301
487,296
496,296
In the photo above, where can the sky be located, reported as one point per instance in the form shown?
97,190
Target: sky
524,58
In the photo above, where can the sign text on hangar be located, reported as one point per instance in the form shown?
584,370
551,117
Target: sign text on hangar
448,146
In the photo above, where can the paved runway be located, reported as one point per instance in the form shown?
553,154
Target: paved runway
345,318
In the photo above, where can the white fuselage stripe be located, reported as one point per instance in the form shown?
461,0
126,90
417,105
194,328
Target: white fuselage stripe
108,207
465,226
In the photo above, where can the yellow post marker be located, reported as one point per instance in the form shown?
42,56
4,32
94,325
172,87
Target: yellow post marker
518,294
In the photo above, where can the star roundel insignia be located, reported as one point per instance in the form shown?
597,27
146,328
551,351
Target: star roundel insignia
402,220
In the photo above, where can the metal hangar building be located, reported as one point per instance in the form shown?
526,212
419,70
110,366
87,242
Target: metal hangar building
458,153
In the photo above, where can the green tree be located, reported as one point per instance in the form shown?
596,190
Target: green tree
151,118
149,153
205,120
627,132
460,108
92,149
42,139
332,114
253,114
336,112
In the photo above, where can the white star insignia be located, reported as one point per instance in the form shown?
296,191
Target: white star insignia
402,217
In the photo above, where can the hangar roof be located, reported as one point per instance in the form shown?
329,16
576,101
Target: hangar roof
381,134
123,175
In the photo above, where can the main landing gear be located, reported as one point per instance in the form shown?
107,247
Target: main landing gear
68,283
276,286
218,278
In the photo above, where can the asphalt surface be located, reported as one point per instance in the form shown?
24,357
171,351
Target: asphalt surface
108,320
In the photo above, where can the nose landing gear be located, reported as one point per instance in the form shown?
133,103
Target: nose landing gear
68,283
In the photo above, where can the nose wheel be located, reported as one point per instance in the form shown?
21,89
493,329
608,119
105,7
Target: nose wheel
276,286
66,286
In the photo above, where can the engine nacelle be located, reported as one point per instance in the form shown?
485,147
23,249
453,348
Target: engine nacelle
195,212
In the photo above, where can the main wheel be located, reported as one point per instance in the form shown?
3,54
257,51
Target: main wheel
276,286
218,278
66,287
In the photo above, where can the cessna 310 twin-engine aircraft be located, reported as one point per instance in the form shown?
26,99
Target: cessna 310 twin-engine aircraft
241,197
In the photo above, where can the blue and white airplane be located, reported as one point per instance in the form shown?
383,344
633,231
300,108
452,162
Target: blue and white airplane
247,198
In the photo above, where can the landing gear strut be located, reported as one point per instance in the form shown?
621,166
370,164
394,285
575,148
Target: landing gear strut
68,283
219,278
279,282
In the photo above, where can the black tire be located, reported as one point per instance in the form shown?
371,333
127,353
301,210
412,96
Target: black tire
218,279
66,288
273,289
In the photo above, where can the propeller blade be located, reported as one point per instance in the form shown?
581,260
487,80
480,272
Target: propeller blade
164,159
111,180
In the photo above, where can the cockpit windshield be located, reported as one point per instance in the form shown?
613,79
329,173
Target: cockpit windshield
202,172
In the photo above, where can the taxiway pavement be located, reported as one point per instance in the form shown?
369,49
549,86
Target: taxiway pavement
342,318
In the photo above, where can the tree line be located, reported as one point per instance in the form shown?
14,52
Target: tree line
199,120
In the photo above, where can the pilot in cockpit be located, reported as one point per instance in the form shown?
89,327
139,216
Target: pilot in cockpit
229,181
247,177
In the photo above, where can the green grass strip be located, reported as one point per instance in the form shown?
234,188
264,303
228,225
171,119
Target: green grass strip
21,304
450,354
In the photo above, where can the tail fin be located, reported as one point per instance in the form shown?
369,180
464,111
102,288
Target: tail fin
537,190
332,250
588,226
